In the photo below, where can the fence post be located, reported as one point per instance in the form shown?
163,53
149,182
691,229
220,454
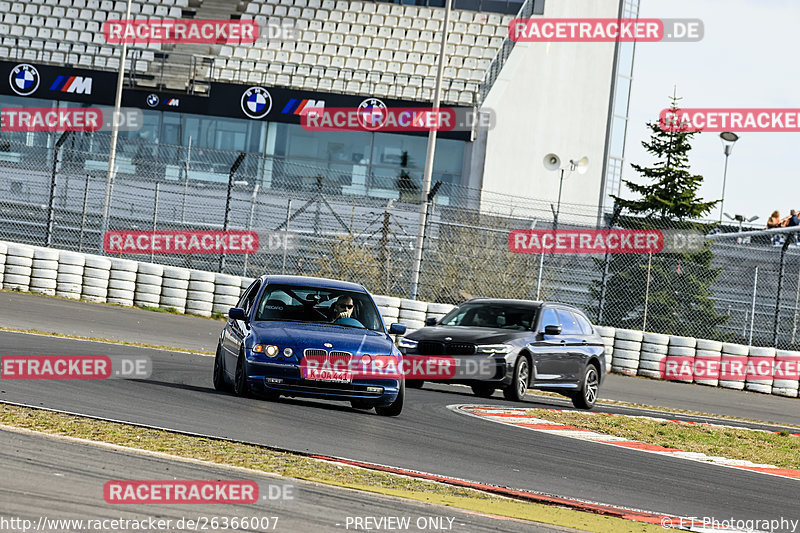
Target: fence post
250,223
155,216
51,210
753,308
288,218
83,214
780,286
647,290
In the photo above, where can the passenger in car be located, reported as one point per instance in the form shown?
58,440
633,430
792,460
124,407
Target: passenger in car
342,308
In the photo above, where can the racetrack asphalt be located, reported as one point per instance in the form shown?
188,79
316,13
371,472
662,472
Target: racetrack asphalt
426,437
61,479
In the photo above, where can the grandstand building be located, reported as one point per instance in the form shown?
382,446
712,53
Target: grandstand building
201,102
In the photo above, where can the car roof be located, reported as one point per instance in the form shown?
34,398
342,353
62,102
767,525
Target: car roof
319,283
525,303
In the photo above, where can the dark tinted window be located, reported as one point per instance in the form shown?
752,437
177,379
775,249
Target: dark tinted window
246,301
323,306
491,315
568,324
586,327
549,318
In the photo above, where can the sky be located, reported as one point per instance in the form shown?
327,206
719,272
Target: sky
748,58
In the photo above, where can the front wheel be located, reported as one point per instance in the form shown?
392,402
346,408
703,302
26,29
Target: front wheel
396,407
240,385
415,383
519,384
586,396
220,383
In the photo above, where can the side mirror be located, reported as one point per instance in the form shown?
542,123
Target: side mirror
430,321
237,313
552,330
397,329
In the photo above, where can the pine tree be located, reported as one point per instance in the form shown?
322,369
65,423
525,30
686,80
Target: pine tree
679,300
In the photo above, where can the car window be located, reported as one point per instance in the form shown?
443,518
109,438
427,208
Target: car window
311,304
549,318
586,327
491,315
568,324
247,299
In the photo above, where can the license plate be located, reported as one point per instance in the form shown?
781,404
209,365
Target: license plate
331,376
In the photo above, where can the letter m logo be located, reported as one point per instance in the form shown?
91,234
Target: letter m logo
72,84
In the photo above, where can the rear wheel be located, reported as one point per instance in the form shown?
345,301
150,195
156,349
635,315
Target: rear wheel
220,383
483,390
415,383
590,386
519,384
396,407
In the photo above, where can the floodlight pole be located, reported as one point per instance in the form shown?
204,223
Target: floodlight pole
112,155
426,178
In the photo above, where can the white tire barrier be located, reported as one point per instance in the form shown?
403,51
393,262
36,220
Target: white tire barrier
651,356
629,335
122,282
654,348
122,285
411,316
605,331
653,374
650,365
386,301
707,344
200,296
439,309
789,393
174,288
149,277
227,290
680,351
18,255
623,370
655,338
96,273
685,342
734,349
74,270
633,346
760,368
787,363
413,305
761,351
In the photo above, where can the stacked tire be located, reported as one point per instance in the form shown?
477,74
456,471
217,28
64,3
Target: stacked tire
389,306
44,271
653,355
760,361
96,273
412,313
227,290
437,311
733,363
174,288
680,359
200,296
149,279
246,282
17,271
787,364
122,282
3,250
627,349
607,334
69,277
708,359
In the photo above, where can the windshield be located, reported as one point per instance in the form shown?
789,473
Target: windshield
491,315
322,306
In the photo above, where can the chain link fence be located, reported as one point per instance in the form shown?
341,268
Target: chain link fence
741,290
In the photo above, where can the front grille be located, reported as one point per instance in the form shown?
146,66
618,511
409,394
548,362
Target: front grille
341,359
314,352
441,348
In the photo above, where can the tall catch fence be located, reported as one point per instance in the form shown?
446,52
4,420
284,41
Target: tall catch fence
349,224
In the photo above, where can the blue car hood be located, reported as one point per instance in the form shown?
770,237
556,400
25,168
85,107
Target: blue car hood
301,335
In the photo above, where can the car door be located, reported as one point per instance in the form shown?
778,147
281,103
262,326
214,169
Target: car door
549,351
237,330
592,345
575,344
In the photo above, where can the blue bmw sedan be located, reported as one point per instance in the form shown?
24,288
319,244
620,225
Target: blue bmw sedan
283,324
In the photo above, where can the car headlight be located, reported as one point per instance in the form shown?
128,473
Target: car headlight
494,348
269,349
408,344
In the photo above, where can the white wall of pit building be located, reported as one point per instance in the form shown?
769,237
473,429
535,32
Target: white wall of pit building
550,97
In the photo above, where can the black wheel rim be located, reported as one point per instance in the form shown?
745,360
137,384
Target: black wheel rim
522,378
591,385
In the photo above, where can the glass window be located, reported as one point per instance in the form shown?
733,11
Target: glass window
568,324
549,318
621,96
491,315
321,306
584,324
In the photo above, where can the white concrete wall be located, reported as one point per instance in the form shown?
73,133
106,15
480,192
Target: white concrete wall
551,97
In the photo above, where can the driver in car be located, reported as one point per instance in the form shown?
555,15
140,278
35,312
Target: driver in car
342,308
